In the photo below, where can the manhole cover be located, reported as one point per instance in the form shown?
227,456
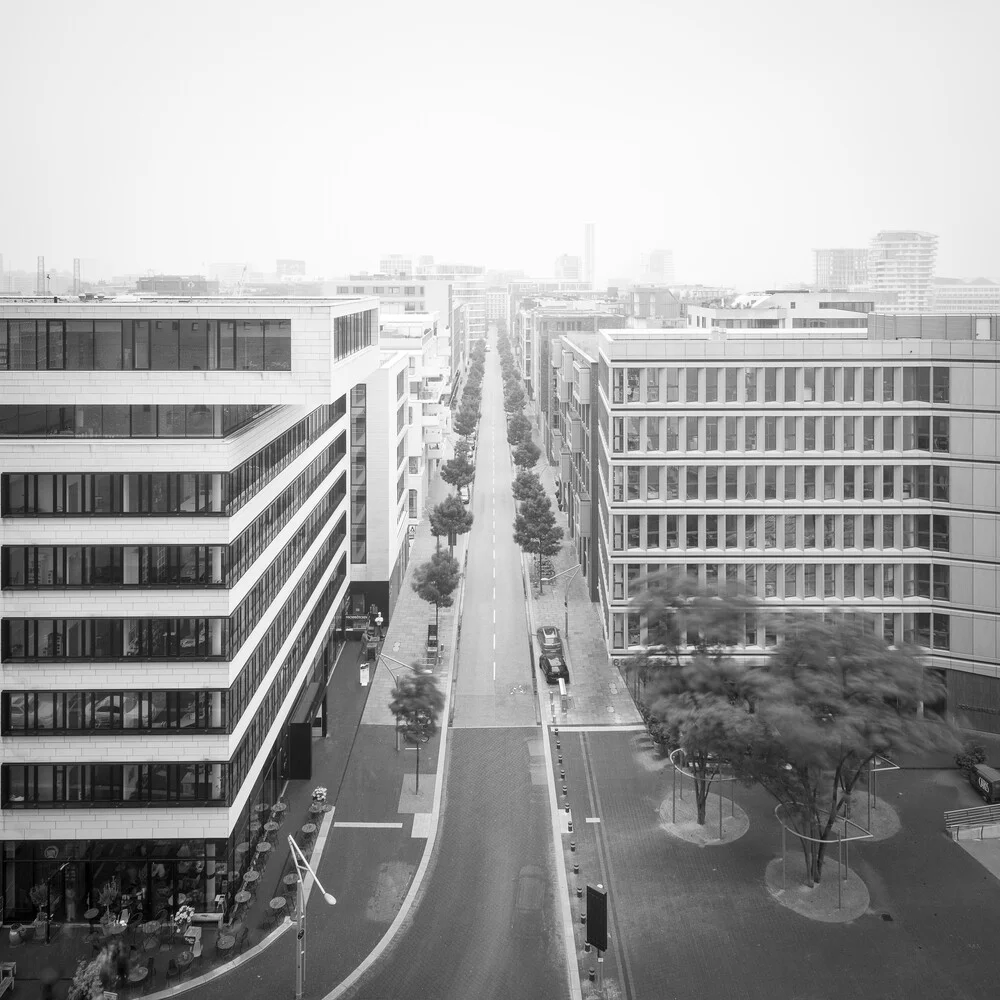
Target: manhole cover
887,917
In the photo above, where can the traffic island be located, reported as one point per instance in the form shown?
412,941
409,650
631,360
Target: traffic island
679,818
840,897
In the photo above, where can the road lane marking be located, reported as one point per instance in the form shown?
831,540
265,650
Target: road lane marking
370,826
638,727
592,819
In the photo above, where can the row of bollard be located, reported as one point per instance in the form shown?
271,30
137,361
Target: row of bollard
572,843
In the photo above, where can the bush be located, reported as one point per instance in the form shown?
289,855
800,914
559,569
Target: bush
971,755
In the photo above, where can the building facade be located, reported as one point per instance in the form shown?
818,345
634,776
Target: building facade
840,269
177,531
854,470
589,254
951,296
902,262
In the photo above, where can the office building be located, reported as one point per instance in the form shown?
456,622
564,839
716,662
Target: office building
840,269
177,284
652,306
657,267
901,262
952,295
589,254
781,309
854,470
183,509
568,267
288,268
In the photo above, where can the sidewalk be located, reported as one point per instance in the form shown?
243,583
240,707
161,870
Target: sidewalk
598,694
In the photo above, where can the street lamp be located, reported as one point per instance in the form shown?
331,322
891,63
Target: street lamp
386,659
548,579
302,866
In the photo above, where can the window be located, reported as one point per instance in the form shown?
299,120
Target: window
770,482
750,530
850,384
691,377
693,484
942,385
868,376
941,433
809,531
652,482
849,423
413,505
618,434
868,574
791,580
732,529
652,531
888,482
618,385
618,631
771,580
632,383
711,482
850,482
829,385
888,581
711,531
941,477
868,482
809,482
770,385
916,385
809,433
770,531
732,433
672,539
889,384
850,523
888,433
868,525
653,433
673,434
673,483
671,392
791,532
917,433
790,432
750,482
868,433
809,579
791,377
634,476
942,583
829,433
770,433
711,385
829,581
634,440
617,582
691,531
732,483
618,532
633,531
692,429
751,380
750,433
942,535
888,531
790,477
829,531
850,580
732,380
809,385
652,385
712,433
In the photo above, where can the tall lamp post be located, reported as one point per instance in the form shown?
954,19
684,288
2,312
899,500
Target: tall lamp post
548,579
302,867
386,660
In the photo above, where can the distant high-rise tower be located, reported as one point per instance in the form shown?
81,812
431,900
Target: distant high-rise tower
40,276
658,267
76,275
567,267
902,261
840,269
589,253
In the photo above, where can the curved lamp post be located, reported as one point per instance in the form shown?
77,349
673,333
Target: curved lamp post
301,868
386,660
555,576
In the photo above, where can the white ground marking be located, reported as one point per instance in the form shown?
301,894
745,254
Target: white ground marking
592,819
638,727
370,826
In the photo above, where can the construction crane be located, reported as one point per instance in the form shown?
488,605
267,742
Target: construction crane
238,290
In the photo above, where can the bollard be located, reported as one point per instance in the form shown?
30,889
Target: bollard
570,824
593,975
579,892
560,758
572,846
586,947
576,867
567,810
558,747
583,916
565,790
562,775
555,729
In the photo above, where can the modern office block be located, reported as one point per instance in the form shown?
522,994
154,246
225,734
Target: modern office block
853,470
175,559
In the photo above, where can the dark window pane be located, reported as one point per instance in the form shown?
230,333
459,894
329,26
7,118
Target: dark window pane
227,344
140,332
116,421
33,421
89,421
193,345
199,421
61,420
22,344
107,345
56,335
278,345
249,345
79,345
170,421
143,421
163,349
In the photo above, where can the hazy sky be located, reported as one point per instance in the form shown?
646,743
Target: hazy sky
740,134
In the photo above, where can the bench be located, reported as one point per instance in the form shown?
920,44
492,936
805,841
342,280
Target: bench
8,970
208,918
978,816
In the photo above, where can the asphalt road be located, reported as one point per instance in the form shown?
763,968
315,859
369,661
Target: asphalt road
697,922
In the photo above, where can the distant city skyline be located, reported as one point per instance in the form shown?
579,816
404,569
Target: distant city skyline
174,164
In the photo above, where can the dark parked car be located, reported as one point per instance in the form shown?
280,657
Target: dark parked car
554,667
549,639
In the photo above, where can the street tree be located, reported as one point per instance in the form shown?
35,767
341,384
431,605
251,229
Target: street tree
458,471
536,531
526,454
514,398
702,699
527,486
465,421
417,703
518,429
435,581
832,697
451,517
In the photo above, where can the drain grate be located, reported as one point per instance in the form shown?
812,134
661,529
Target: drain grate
887,917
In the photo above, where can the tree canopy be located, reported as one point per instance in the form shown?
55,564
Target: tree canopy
514,397
536,531
518,429
465,421
458,471
417,703
450,517
526,454
435,581
527,486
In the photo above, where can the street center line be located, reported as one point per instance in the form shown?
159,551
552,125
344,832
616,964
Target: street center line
592,819
371,826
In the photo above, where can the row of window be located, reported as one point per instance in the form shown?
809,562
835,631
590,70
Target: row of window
353,332
132,711
790,531
39,566
253,739
931,630
224,493
253,607
789,433
807,384
262,658
380,290
113,638
112,784
146,344
780,482
245,550
142,421
881,580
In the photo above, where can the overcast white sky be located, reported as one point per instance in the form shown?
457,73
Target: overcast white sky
740,134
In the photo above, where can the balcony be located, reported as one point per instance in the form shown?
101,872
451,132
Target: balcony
555,357
565,465
581,389
575,434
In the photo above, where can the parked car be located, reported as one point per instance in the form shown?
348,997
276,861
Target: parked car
464,494
550,640
554,667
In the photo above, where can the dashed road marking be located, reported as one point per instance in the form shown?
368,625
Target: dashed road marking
592,819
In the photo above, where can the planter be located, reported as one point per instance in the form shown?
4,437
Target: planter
15,935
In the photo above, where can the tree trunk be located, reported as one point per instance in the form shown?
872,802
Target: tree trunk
701,787
540,585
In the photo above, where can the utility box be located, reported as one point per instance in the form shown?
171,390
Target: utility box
432,639
986,781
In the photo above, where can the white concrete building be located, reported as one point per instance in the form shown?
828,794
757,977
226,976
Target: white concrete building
176,542
951,296
852,470
902,262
